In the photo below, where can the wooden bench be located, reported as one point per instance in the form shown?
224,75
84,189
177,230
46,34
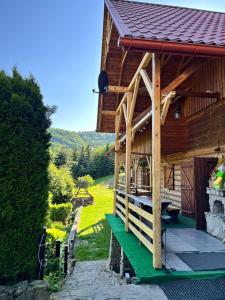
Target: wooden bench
173,212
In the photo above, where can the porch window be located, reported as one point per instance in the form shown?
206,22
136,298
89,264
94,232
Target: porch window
169,176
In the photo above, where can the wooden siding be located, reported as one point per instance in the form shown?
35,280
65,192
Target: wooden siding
207,129
211,77
174,136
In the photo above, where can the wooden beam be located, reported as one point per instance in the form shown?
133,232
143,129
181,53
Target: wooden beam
147,81
182,77
204,94
124,99
198,152
165,61
125,112
156,161
143,65
118,123
123,59
108,112
134,98
128,165
117,89
166,104
142,121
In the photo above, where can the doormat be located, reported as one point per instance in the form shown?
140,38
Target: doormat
208,289
204,261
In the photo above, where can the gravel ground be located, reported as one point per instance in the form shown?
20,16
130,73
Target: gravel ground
93,280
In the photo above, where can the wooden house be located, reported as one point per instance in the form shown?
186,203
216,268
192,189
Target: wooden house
165,101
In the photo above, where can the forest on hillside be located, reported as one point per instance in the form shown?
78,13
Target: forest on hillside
77,140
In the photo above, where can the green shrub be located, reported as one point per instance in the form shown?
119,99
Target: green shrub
24,183
61,184
84,181
60,212
54,234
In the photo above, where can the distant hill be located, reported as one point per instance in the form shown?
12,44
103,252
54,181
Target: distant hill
72,139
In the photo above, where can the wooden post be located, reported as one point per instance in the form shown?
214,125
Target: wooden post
128,161
66,259
57,248
116,163
156,161
116,173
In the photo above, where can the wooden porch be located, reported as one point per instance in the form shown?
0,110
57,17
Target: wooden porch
141,258
165,106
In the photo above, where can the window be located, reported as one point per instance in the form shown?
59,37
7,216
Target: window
169,177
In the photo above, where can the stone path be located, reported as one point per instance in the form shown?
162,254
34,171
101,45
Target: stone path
93,281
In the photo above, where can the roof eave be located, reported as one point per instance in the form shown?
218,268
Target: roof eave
171,47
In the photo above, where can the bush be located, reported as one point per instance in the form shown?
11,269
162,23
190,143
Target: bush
61,184
54,234
60,212
24,183
84,181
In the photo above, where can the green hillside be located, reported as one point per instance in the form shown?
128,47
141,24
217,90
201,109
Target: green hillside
72,139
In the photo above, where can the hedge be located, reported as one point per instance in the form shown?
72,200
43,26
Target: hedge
24,183
60,212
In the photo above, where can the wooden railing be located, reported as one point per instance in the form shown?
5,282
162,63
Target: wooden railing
139,221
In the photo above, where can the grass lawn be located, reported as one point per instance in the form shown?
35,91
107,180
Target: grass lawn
93,229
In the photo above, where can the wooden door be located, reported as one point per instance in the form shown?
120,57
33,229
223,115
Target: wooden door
203,166
188,188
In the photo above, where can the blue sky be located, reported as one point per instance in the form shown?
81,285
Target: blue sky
59,42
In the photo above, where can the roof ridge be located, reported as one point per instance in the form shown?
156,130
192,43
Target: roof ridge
168,5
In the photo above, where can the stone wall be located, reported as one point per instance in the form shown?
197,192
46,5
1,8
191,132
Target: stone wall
118,261
114,254
35,290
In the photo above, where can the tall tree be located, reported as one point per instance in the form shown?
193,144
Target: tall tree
24,183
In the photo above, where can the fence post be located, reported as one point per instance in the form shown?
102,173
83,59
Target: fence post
41,255
65,260
57,248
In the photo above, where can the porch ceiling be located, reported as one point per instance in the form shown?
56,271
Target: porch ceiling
121,63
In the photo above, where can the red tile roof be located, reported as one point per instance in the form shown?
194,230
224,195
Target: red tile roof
167,23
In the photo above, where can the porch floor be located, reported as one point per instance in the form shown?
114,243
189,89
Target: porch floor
191,241
141,259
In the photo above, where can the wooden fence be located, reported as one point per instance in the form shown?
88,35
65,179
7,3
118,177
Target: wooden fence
140,222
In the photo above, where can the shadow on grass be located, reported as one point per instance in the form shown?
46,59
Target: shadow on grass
95,245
